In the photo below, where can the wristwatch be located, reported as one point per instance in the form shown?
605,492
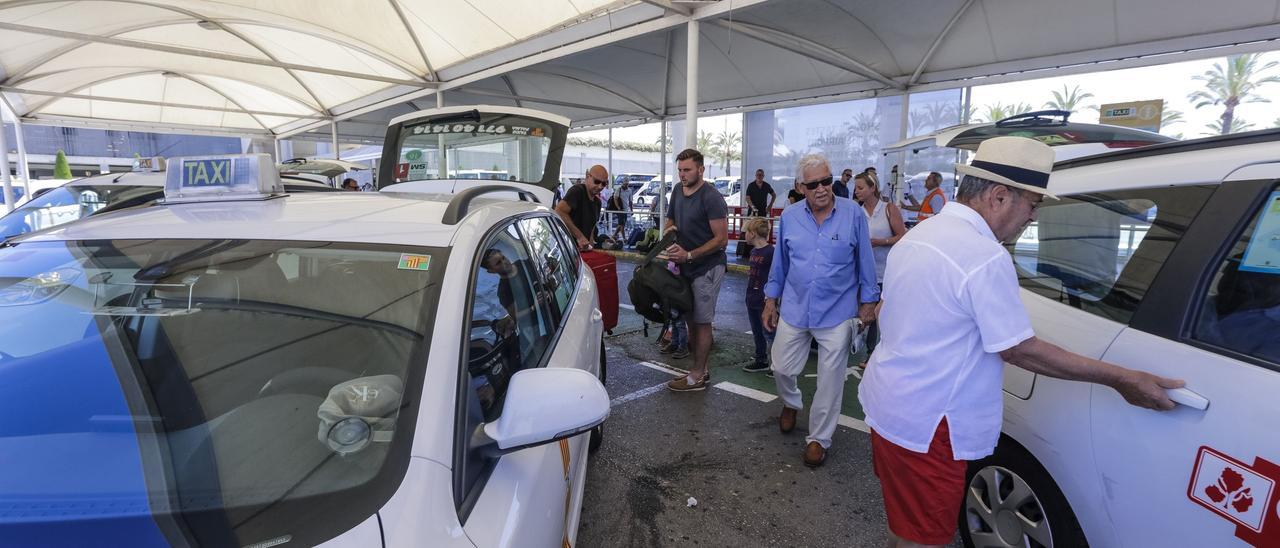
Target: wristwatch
688,256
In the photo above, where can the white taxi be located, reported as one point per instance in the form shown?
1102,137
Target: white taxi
1164,259
237,366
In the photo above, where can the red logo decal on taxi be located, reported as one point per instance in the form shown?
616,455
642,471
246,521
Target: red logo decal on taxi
1245,495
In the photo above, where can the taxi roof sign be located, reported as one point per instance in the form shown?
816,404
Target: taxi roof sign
226,177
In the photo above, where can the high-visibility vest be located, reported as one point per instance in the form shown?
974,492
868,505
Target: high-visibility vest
926,210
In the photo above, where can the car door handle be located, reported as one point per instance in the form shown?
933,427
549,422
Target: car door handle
597,315
1183,396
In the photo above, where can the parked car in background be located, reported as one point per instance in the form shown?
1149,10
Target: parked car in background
79,198
321,170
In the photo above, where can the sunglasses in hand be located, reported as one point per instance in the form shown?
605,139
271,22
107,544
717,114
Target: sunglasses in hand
825,181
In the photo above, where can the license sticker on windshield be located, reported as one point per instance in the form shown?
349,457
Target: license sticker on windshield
409,261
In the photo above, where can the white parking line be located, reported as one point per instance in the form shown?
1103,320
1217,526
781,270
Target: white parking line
846,420
744,391
636,395
664,368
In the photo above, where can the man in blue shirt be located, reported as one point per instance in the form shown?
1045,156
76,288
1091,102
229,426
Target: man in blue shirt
825,273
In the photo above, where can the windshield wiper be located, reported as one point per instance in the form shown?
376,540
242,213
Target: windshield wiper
472,115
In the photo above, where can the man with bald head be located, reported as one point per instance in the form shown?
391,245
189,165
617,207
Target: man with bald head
580,207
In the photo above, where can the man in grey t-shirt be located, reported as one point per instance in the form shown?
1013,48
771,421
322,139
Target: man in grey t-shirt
699,213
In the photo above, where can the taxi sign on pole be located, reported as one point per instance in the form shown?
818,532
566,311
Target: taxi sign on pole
228,177
154,164
1137,114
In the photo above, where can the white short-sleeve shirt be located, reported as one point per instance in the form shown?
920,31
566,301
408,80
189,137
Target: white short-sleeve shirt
951,304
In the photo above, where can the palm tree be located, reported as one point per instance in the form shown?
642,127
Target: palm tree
1067,99
1000,111
661,140
1237,125
933,117
706,144
728,148
1232,84
1169,116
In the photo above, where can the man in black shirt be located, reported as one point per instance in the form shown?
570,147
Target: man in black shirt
699,215
580,207
760,196
841,187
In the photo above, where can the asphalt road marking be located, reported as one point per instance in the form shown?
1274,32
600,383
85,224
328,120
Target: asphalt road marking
643,392
846,420
744,391
626,306
664,368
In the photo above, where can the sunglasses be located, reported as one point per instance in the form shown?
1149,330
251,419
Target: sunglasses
825,181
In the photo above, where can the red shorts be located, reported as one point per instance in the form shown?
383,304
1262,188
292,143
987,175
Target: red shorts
922,491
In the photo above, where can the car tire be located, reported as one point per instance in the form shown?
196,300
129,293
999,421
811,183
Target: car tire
597,433
1029,508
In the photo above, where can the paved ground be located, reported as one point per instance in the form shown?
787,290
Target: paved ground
722,448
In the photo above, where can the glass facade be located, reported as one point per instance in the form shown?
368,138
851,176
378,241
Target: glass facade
117,144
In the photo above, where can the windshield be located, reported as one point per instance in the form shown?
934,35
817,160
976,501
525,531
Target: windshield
71,202
499,147
247,390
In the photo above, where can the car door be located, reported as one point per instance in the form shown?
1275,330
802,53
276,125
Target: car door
517,499
1206,473
578,340
1084,266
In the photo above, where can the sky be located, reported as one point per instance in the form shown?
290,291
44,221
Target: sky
1170,82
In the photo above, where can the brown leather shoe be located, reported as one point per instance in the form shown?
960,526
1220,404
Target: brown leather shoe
814,455
787,420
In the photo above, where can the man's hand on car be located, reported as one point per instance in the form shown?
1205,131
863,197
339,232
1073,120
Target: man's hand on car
1143,389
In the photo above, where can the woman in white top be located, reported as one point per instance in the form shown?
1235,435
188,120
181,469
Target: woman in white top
885,221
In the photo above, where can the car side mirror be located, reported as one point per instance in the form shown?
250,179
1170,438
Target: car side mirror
548,404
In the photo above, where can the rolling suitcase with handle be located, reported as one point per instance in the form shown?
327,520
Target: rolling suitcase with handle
605,268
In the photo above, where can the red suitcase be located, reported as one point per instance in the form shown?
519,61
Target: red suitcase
605,268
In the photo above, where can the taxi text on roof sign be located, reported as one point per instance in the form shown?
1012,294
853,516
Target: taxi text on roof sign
215,178
215,172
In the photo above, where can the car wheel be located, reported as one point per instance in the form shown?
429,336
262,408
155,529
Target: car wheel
597,433
1010,500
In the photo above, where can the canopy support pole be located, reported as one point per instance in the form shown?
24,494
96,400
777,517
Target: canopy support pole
903,122
279,155
691,86
610,154
662,176
4,168
24,168
443,168
333,132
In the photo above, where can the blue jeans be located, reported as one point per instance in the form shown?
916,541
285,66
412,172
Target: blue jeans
679,334
762,337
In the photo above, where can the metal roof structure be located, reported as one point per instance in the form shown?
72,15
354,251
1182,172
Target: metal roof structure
280,68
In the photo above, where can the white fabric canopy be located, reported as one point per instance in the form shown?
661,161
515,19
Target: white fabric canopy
286,67
253,65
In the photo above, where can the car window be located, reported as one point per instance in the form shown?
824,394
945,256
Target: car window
551,260
71,202
1100,252
1240,309
511,329
201,373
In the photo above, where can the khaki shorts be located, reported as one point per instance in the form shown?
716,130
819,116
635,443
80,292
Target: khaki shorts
706,291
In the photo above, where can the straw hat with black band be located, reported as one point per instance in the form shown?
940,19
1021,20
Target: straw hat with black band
1014,161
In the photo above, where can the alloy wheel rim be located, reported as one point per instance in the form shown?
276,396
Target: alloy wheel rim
1002,511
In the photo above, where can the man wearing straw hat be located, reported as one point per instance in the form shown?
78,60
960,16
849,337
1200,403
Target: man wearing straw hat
951,316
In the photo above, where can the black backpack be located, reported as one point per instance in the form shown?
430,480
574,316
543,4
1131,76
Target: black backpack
655,291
